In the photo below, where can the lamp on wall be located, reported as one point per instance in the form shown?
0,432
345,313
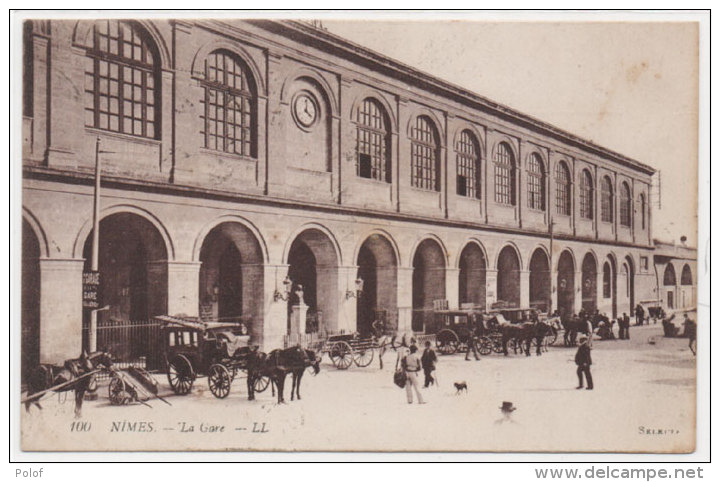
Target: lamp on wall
215,292
285,295
359,283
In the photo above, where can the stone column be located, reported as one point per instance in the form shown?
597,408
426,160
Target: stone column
579,291
452,287
524,288
298,319
271,327
491,287
183,278
61,311
347,316
404,298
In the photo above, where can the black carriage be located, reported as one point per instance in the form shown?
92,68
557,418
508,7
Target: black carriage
194,348
453,330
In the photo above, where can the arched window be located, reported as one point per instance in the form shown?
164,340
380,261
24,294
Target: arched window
424,155
686,276
121,74
607,280
562,189
669,276
606,200
625,205
586,195
504,175
229,104
642,209
536,182
373,142
467,153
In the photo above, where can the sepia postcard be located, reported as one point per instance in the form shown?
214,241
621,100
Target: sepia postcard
304,233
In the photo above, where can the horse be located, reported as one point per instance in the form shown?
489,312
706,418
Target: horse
277,365
572,327
75,374
522,334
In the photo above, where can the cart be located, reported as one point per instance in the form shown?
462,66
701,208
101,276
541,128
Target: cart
194,348
133,384
453,331
347,349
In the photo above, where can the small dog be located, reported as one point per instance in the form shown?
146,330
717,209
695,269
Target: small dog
460,387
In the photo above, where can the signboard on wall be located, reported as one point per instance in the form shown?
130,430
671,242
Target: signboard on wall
91,288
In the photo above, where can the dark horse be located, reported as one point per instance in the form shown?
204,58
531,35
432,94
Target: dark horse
74,374
522,335
277,365
572,327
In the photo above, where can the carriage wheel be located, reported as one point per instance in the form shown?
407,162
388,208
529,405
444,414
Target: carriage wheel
484,345
497,342
447,342
261,384
341,354
180,375
219,380
116,391
363,357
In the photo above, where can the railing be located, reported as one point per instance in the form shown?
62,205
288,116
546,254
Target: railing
131,343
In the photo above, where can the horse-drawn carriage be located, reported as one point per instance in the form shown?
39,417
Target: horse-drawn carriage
218,350
453,330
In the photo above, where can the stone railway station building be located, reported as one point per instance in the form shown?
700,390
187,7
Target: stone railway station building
238,154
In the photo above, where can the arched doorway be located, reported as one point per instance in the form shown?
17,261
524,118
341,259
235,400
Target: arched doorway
589,283
377,267
231,277
133,284
686,287
610,284
540,281
669,283
428,282
566,284
508,277
30,303
627,295
472,276
314,266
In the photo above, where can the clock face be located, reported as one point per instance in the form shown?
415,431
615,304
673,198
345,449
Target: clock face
305,110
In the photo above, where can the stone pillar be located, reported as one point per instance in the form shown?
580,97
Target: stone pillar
553,291
404,298
524,288
347,316
579,291
183,278
452,287
491,287
270,329
298,319
61,311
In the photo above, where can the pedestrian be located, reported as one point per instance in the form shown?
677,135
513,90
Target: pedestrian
412,365
428,360
639,315
471,343
583,362
691,333
626,322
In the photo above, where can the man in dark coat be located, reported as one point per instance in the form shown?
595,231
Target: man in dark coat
428,360
639,315
583,362
691,333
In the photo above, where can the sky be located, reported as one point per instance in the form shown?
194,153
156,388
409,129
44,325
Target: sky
631,87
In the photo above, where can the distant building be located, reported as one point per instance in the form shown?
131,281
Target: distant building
238,153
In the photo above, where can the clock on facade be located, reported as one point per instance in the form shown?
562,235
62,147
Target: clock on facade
305,110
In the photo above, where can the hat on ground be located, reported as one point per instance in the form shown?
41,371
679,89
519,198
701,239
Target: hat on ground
508,407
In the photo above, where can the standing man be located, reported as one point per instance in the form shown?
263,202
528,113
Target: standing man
639,315
428,360
412,365
691,333
471,342
583,362
626,322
